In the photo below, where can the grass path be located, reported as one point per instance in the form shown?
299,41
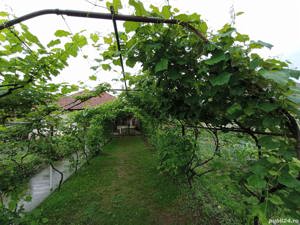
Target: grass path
120,187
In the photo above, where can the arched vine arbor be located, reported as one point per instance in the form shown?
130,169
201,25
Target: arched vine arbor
211,81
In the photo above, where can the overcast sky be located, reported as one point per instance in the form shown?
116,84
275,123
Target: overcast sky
275,22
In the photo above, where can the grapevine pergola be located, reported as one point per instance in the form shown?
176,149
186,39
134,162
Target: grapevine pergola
119,17
209,110
106,16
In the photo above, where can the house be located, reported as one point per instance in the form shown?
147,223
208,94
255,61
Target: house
71,103
125,124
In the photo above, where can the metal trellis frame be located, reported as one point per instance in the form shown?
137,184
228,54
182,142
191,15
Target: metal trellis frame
113,16
106,16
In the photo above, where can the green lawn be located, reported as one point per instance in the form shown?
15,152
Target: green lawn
122,186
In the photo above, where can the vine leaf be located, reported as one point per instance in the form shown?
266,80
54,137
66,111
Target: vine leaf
276,200
221,79
130,26
235,108
71,49
267,107
256,182
117,4
279,77
61,33
183,17
166,12
2,37
203,27
80,40
94,37
215,59
289,181
106,67
162,65
242,37
53,43
265,44
269,142
93,77
259,44
239,13
3,14
258,169
139,7
108,40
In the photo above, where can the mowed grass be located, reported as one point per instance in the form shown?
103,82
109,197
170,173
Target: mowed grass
122,186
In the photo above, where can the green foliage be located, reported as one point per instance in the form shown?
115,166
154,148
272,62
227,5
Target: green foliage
211,80
98,90
220,83
94,127
94,37
61,33
175,152
24,147
116,4
93,77
221,79
131,26
139,7
161,65
28,66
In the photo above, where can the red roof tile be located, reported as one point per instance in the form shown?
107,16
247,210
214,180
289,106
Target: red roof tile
70,103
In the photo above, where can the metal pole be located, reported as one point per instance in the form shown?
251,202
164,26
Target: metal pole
118,44
106,16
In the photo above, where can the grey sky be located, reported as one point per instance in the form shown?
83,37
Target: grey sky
275,22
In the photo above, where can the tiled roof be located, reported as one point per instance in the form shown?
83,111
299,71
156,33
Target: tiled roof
70,103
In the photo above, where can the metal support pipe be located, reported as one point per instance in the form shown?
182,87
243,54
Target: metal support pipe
106,16
118,44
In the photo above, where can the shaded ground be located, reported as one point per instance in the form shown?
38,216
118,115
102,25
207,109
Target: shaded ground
120,187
